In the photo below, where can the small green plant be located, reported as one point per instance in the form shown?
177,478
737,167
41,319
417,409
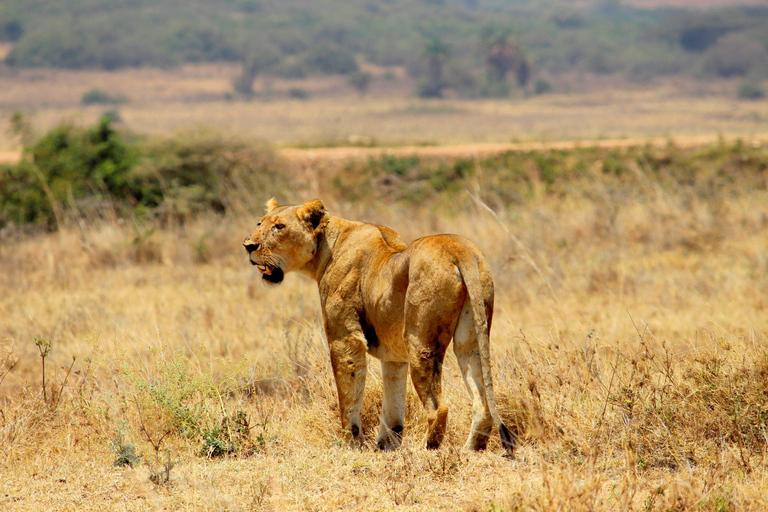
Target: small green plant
126,452
163,476
231,437
44,347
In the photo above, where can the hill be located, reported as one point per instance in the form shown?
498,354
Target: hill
475,47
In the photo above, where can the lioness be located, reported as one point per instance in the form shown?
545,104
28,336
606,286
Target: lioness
401,304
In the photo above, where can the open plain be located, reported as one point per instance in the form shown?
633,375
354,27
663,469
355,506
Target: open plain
144,367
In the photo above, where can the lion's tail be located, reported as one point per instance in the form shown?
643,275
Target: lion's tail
471,274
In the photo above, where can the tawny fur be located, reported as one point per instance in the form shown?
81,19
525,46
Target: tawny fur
402,304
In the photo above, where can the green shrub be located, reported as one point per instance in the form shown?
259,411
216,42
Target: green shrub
196,172
542,86
74,171
734,55
68,165
99,97
750,91
298,93
11,30
331,59
360,81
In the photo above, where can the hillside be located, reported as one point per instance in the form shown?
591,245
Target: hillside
473,47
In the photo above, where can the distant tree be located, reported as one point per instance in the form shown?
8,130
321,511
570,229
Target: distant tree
360,80
331,59
256,62
436,53
750,90
11,30
735,55
502,56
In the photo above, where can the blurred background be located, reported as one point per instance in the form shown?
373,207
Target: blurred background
388,72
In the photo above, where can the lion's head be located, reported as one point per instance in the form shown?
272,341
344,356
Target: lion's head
285,239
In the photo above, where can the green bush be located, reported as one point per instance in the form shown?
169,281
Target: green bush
750,91
542,86
67,166
11,30
74,171
331,59
298,93
199,171
734,55
99,97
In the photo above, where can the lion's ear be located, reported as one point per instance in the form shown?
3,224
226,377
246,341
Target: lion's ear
271,205
313,213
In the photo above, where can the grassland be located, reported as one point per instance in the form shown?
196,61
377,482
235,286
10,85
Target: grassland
629,347
583,108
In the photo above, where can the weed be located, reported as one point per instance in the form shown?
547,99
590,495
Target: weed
125,452
163,476
259,492
44,347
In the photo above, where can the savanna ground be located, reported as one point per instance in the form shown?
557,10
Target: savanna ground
583,108
629,342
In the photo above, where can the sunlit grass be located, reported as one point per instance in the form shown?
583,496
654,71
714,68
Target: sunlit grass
628,339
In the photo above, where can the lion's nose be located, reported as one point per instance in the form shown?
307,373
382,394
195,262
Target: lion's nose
250,247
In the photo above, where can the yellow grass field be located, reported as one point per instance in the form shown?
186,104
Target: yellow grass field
629,337
628,343
163,101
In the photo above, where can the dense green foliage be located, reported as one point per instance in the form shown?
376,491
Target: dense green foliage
76,173
334,36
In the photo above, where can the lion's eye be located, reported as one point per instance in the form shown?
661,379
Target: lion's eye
278,226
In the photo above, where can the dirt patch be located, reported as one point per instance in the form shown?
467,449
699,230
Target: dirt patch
484,150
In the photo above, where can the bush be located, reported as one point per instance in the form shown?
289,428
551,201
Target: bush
298,93
73,171
68,165
11,30
99,97
750,91
198,171
331,59
542,86
734,55
360,81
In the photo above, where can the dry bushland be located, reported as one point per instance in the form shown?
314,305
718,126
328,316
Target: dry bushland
628,340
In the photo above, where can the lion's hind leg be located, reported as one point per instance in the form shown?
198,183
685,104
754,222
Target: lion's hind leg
427,343
467,353
394,376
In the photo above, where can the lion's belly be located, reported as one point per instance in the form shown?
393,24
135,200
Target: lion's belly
390,345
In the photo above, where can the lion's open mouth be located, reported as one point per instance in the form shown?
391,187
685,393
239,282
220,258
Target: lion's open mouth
271,273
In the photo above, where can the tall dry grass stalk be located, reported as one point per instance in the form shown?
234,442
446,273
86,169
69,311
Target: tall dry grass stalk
629,352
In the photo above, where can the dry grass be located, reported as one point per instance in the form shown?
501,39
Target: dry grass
629,351
163,101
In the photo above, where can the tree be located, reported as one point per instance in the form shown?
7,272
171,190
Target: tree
436,53
502,56
360,81
256,62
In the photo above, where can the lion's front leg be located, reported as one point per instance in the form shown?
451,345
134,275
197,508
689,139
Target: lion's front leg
348,359
394,376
